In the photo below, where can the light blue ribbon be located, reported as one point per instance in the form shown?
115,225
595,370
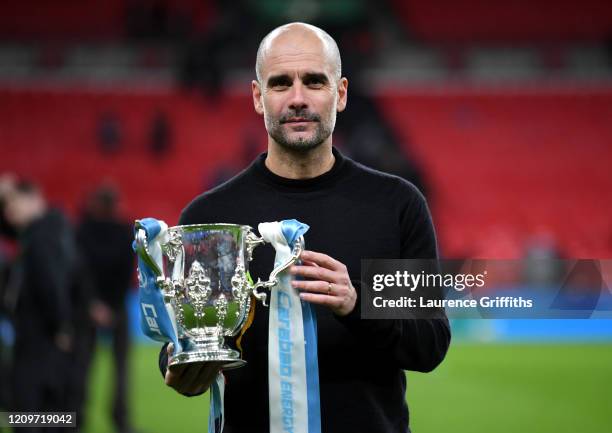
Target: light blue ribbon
215,416
154,318
312,368
292,230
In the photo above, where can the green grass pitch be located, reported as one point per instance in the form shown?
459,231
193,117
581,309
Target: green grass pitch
479,388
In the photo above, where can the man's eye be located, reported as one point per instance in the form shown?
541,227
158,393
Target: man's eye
280,86
315,84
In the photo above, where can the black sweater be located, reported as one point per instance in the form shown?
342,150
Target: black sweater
353,212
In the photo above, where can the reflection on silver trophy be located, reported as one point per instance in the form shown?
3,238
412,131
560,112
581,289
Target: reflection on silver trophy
205,284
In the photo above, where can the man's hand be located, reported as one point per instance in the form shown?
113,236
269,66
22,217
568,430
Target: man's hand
63,341
101,314
191,379
330,284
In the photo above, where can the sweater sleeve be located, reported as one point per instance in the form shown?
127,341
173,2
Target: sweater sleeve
413,344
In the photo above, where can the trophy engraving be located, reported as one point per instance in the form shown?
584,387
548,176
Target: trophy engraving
240,289
174,246
221,308
198,288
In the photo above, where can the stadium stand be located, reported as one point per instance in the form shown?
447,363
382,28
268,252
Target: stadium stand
517,21
465,84
51,137
499,177
496,176
100,19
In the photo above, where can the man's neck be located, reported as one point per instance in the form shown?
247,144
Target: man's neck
299,164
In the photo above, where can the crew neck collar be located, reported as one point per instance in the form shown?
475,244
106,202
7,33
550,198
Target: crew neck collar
264,173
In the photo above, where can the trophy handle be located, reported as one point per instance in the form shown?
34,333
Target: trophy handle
253,241
142,249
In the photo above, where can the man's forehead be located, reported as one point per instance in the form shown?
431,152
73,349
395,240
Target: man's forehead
290,51
302,65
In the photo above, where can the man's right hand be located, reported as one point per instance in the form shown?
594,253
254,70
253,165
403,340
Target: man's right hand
191,379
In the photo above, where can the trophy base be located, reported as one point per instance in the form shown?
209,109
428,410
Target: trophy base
230,358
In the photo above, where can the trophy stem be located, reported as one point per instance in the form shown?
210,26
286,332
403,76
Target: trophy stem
209,348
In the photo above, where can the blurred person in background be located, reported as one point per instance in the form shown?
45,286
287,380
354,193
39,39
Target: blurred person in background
105,244
7,236
7,186
160,134
109,133
38,298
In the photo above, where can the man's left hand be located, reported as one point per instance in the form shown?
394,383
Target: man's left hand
329,283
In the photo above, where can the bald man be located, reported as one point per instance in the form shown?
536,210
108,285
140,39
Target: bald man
354,212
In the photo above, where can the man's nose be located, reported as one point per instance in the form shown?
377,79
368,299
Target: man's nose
298,98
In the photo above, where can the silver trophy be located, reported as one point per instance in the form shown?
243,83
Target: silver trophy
205,284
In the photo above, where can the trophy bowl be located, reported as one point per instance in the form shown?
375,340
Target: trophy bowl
206,288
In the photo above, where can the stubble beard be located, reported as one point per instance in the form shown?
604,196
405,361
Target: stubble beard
301,144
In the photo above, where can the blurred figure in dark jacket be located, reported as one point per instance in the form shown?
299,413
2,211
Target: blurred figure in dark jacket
160,135
38,296
7,250
105,244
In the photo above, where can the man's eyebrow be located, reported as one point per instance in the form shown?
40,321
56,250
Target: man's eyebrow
285,79
281,79
315,76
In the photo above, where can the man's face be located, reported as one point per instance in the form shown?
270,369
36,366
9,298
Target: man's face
299,94
20,209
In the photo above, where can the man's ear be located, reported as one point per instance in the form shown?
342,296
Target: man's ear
256,89
342,94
